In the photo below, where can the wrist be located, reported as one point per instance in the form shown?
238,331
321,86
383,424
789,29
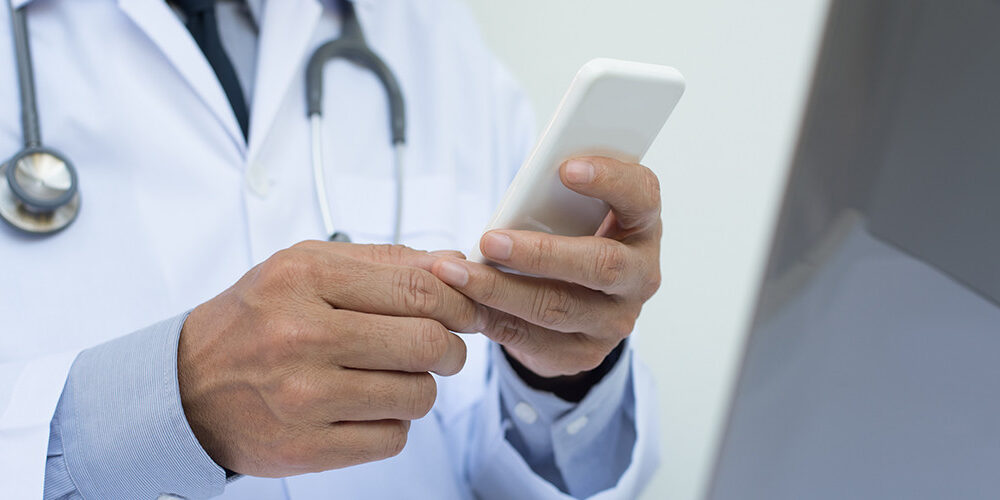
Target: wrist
572,388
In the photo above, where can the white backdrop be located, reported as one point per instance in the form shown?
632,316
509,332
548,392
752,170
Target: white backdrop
721,159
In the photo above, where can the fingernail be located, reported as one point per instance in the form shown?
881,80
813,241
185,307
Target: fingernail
498,246
449,253
453,273
579,172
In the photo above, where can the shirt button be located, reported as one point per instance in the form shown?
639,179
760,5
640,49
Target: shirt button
526,413
167,496
576,426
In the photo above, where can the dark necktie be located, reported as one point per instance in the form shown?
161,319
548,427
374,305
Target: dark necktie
204,28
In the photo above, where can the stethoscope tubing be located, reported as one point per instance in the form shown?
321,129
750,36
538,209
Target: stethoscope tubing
30,128
319,180
351,45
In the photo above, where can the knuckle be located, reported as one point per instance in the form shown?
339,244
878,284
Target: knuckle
651,284
506,330
491,288
609,265
430,344
376,253
423,393
387,252
285,268
380,252
255,300
554,306
393,440
295,396
308,245
589,356
382,396
415,290
543,249
623,326
651,183
592,359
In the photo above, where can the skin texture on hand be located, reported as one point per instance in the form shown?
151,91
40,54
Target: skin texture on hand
319,357
584,294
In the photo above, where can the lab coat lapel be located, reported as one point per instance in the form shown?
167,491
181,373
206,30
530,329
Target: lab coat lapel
286,39
161,25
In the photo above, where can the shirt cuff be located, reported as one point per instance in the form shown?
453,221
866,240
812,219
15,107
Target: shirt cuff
121,425
559,439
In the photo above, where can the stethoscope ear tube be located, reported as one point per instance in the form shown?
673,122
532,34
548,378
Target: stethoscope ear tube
359,54
352,46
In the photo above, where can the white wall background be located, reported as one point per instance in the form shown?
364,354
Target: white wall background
721,160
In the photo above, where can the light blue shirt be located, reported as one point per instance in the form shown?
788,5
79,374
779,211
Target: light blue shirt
119,430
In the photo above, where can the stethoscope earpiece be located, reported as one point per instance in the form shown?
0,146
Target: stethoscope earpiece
38,192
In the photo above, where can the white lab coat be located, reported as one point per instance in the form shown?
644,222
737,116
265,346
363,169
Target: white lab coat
175,208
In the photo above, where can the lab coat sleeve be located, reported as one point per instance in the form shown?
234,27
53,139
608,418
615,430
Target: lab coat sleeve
119,429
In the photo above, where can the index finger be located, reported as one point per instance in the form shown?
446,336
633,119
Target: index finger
399,255
376,342
358,284
632,190
401,291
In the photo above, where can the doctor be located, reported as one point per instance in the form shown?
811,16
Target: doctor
125,373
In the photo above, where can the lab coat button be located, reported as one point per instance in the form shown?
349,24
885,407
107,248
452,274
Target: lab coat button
257,181
526,413
576,426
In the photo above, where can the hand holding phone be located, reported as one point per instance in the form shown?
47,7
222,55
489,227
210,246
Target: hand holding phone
613,109
574,295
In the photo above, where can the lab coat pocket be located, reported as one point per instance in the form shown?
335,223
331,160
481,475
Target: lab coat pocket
368,211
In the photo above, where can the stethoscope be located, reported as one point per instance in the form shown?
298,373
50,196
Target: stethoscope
41,194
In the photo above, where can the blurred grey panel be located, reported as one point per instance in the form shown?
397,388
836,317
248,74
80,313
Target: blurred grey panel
843,135
879,380
873,366
939,192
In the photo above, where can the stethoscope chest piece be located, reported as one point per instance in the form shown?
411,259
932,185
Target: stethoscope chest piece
38,191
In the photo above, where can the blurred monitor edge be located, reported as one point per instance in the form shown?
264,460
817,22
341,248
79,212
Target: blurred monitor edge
872,369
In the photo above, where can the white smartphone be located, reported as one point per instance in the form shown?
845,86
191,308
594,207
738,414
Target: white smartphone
613,108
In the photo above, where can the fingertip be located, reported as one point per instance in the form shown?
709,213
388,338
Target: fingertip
455,357
455,254
497,245
579,171
451,271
